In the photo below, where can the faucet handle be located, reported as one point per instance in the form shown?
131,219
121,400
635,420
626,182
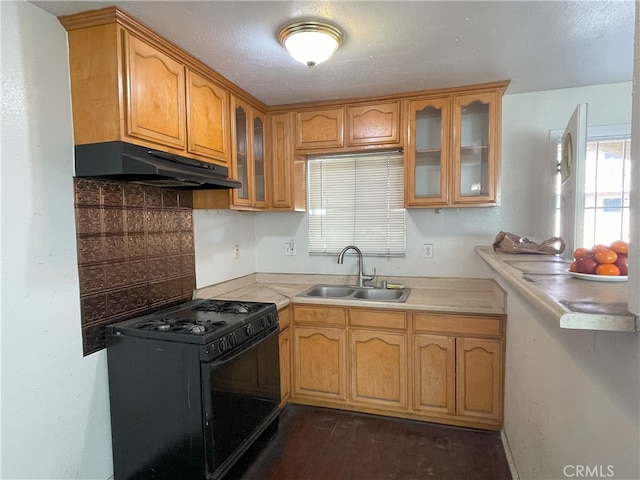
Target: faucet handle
368,278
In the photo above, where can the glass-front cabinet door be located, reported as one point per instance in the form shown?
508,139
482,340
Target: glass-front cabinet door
242,168
474,148
260,180
427,172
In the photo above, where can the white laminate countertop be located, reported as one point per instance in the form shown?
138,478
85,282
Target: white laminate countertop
453,295
572,303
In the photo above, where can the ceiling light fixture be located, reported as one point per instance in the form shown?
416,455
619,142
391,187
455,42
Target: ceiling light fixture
311,42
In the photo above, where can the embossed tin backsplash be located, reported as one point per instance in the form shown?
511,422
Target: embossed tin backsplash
135,252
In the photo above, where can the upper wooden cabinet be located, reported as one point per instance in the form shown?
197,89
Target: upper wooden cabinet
452,156
129,84
154,94
320,129
207,117
288,171
352,127
374,125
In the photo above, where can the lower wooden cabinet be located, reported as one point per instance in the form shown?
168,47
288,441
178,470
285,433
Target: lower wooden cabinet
434,374
284,320
479,367
319,363
442,368
378,370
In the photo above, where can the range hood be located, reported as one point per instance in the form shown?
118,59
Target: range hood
126,162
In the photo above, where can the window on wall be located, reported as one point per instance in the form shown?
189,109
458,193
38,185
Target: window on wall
607,185
357,200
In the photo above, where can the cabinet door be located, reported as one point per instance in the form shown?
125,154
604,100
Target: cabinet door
258,159
320,129
155,107
207,118
285,366
242,167
475,145
281,161
479,378
319,369
373,124
434,374
378,368
427,154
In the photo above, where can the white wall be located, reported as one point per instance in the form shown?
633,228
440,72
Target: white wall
526,170
571,397
55,410
216,232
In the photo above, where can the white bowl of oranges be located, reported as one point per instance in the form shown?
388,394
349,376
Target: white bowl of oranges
601,262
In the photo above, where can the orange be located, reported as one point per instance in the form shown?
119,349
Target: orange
620,246
572,267
581,252
605,256
599,246
608,269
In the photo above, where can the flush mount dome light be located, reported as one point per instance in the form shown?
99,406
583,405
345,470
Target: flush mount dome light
311,42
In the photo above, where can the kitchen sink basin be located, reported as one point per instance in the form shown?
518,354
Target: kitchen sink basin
328,291
379,294
348,292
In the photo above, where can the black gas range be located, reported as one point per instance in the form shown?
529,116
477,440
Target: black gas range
192,387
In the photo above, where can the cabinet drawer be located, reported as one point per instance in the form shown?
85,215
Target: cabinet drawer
457,324
377,318
284,317
319,316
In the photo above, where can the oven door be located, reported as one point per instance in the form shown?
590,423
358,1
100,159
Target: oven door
242,397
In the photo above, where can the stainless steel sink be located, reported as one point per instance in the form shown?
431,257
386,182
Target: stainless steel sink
329,291
358,293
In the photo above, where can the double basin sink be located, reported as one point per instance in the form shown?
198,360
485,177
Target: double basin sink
347,292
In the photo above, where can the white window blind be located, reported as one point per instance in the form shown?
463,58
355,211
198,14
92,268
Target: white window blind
357,200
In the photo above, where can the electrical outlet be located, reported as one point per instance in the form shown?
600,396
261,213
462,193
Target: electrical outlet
290,248
236,251
428,250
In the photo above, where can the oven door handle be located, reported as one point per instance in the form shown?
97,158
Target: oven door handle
232,355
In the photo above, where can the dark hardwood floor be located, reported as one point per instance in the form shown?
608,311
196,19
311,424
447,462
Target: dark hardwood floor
324,444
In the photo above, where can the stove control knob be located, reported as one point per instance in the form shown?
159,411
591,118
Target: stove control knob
232,339
222,346
249,330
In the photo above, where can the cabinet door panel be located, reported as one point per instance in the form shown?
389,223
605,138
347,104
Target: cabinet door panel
321,128
281,161
155,94
374,124
475,145
428,155
259,180
285,366
242,167
207,119
378,368
434,374
320,363
479,377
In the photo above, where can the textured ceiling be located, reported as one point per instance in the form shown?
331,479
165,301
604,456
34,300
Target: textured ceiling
399,46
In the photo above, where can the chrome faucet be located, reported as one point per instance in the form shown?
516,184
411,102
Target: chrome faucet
361,276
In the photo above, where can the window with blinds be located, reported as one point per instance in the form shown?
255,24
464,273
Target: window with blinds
357,200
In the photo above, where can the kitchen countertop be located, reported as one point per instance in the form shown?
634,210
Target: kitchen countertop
455,295
572,303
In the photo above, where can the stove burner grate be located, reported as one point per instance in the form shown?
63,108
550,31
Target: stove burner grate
178,325
222,306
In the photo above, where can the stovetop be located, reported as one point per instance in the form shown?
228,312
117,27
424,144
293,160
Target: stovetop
201,321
